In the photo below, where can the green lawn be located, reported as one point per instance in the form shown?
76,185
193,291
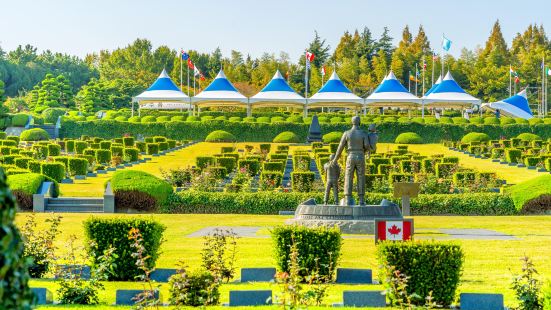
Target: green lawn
489,264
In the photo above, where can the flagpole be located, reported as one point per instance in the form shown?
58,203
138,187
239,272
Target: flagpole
424,69
442,58
432,81
181,82
409,81
305,79
510,69
416,70
542,85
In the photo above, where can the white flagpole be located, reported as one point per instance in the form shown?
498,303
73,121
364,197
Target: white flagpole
416,79
306,75
432,81
509,80
409,82
181,82
442,58
424,69
542,85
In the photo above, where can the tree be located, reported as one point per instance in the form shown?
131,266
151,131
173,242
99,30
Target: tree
495,51
53,92
385,44
2,91
320,50
401,58
346,47
380,65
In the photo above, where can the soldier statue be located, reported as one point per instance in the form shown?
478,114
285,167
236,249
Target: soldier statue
332,173
357,142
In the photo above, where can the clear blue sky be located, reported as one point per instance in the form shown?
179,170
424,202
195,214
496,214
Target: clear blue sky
252,26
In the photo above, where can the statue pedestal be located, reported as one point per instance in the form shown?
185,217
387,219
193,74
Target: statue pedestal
350,219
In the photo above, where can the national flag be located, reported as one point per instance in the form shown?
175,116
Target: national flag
201,77
424,65
446,43
196,71
394,230
411,78
310,56
185,56
190,64
517,79
434,56
511,70
323,71
548,71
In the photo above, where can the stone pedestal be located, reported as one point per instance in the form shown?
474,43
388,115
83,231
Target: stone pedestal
350,219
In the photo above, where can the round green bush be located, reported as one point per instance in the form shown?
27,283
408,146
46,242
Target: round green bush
220,136
528,137
332,137
477,120
193,118
295,119
323,119
51,115
134,119
404,119
287,137
445,120
521,121
535,121
121,118
134,189
419,120
408,138
506,121
263,119
336,120
459,120
178,118
148,119
277,119
235,119
163,119
34,134
221,118
475,137
491,121
19,119
91,118
249,119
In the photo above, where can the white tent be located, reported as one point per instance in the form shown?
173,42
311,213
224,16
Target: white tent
391,93
438,81
220,92
515,106
448,94
277,93
162,94
335,94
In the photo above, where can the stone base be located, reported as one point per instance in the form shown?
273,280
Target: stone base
349,219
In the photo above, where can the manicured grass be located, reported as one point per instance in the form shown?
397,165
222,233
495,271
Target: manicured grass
489,264
524,192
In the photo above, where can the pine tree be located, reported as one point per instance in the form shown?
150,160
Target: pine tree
385,44
320,50
380,65
495,51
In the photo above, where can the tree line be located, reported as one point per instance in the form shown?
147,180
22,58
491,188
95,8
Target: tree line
108,79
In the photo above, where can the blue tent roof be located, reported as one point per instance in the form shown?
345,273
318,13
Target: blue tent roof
163,82
334,85
448,85
162,90
515,106
391,85
519,101
277,83
434,86
220,83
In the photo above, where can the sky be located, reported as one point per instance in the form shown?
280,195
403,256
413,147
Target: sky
253,27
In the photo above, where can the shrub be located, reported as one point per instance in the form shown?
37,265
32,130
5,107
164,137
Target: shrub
198,288
475,137
252,166
193,118
433,269
220,136
408,138
287,137
533,196
332,137
56,171
131,154
141,146
105,145
463,178
319,249
104,233
270,179
51,115
265,148
35,134
528,137
23,162
444,170
204,161
19,120
148,119
163,146
34,166
273,166
70,146
171,143
227,162
62,159
152,148
80,146
163,119
513,155
235,119
532,161
139,190
54,149
217,172
302,181
116,150
23,186
78,166
103,157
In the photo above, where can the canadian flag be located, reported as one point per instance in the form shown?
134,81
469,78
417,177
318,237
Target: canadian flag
394,230
310,56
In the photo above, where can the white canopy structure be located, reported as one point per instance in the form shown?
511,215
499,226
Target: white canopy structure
277,93
438,81
220,92
162,94
391,93
448,94
335,94
515,106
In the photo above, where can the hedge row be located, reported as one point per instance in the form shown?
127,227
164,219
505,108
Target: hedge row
272,203
259,132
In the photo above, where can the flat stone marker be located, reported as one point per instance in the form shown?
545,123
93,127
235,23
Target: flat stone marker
241,231
476,301
162,274
126,297
476,234
83,270
257,274
373,299
43,295
250,298
354,276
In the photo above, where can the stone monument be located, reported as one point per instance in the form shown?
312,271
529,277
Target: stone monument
314,131
350,217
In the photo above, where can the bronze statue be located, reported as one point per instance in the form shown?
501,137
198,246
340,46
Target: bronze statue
357,143
332,173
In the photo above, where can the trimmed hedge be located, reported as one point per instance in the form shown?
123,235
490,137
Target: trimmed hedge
434,268
318,249
139,190
287,137
152,148
220,136
131,154
35,134
475,137
103,156
23,186
528,137
332,137
78,166
103,233
302,181
409,138
54,170
533,196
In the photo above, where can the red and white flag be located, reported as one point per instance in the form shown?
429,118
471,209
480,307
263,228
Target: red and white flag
196,71
190,64
310,56
323,71
394,230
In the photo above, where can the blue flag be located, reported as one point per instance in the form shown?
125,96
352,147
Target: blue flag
185,56
446,43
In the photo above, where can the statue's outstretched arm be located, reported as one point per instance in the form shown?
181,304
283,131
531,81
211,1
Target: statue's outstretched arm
342,144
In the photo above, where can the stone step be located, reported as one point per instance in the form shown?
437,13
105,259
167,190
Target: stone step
74,201
75,208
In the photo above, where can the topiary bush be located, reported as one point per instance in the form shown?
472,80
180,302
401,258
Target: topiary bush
528,137
204,161
533,196
287,137
23,187
54,170
513,155
408,138
34,134
50,115
131,154
19,120
318,249
80,146
227,162
433,268
152,148
302,181
54,149
139,190
220,136
128,141
103,156
252,166
104,233
475,137
148,119
78,166
332,137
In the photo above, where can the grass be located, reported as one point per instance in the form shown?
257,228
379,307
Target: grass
488,267
522,193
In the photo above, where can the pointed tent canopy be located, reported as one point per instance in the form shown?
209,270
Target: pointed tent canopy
391,93
162,94
220,92
515,106
335,94
448,94
438,81
277,93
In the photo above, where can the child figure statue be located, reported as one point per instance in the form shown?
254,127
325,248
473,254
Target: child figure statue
332,173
